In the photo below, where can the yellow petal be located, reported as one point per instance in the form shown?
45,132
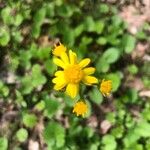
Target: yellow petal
64,57
59,86
60,82
56,80
89,70
89,80
58,50
72,57
59,73
72,90
83,63
59,63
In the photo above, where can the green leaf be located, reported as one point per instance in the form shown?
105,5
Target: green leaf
109,142
5,14
65,10
50,10
117,132
25,57
102,65
103,8
36,31
4,36
131,138
96,96
3,143
89,24
29,120
146,113
17,36
25,82
111,117
51,107
69,37
94,146
148,144
18,19
101,40
146,81
54,134
143,129
20,100
113,40
116,80
88,131
39,17
111,55
117,22
133,69
132,95
40,106
14,63
50,66
22,135
38,20
141,35
5,91
99,26
37,77
78,30
129,43
44,53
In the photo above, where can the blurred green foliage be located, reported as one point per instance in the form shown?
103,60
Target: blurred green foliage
28,30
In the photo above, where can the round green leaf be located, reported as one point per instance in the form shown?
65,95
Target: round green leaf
29,120
96,96
5,14
51,106
101,40
40,106
99,26
111,55
109,142
104,8
54,134
22,135
4,36
37,77
133,69
143,129
3,143
102,65
129,43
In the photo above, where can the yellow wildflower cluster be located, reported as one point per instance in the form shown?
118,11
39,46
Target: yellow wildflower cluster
72,72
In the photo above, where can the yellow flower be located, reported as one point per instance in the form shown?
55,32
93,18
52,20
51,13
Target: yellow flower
105,87
59,50
80,108
73,73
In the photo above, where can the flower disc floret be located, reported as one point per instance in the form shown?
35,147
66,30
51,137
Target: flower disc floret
73,74
105,87
80,108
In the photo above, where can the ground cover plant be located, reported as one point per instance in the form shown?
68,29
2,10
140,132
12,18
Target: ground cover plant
35,114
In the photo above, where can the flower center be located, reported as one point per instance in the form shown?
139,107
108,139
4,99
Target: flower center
73,74
80,108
